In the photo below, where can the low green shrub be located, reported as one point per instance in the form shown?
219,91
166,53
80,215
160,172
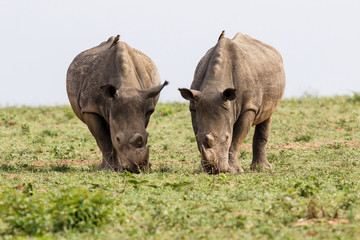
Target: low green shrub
36,214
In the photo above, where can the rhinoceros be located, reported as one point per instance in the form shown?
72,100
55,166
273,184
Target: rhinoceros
237,84
113,88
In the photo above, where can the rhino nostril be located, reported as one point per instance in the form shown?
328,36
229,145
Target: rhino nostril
138,145
137,141
117,139
206,144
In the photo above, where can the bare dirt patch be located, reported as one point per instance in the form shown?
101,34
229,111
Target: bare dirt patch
314,145
11,175
310,145
79,162
317,221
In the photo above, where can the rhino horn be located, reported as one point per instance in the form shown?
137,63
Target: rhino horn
207,155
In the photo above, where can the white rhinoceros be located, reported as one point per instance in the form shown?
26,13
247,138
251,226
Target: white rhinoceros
114,91
237,84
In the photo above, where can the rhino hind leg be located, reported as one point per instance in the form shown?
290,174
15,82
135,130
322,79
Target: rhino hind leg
259,143
241,130
99,129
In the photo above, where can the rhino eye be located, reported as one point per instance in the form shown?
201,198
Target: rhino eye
227,137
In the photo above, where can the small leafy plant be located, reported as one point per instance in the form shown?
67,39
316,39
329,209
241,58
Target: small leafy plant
36,214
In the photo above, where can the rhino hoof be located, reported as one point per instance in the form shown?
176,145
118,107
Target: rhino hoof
260,166
237,170
105,167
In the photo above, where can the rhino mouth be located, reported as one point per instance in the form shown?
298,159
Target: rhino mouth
139,163
213,165
208,161
137,168
134,168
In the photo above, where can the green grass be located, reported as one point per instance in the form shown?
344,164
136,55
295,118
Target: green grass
50,188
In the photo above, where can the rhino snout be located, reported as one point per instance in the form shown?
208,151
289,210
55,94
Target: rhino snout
208,160
145,165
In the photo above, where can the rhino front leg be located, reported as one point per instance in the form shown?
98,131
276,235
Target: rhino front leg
100,130
259,143
241,130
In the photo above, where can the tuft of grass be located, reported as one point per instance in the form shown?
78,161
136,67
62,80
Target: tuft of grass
355,98
303,138
49,133
81,210
25,129
60,167
7,167
165,111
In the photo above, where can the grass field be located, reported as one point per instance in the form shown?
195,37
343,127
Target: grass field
50,188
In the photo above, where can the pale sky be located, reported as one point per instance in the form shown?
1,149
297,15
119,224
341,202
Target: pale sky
318,40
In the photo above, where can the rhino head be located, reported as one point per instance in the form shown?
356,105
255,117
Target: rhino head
129,114
213,117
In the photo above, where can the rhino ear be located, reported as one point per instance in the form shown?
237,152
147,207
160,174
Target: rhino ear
229,94
189,94
109,91
154,91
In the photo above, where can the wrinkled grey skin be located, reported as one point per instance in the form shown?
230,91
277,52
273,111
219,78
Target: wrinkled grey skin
237,84
114,91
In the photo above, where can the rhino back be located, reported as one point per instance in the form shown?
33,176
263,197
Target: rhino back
121,66
263,68
255,69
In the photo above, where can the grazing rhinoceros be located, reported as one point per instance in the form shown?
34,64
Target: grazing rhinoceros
237,84
114,91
